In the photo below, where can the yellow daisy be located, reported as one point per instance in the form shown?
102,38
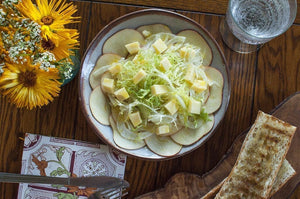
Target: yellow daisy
27,86
61,50
52,16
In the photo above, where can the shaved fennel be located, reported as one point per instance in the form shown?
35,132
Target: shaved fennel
151,107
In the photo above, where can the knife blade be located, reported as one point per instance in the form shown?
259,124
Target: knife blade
92,181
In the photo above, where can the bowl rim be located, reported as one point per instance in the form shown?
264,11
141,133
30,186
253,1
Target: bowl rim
120,20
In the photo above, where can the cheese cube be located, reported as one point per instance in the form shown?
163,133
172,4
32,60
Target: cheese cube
108,85
114,69
187,52
159,46
135,118
139,76
165,64
171,107
199,86
190,75
194,106
183,52
162,130
158,89
121,94
133,47
146,33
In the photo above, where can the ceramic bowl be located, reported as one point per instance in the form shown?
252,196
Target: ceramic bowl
176,22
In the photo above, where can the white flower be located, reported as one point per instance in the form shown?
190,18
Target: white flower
66,70
2,17
2,12
10,2
1,68
34,29
68,74
45,60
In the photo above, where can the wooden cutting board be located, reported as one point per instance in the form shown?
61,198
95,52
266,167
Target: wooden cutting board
187,185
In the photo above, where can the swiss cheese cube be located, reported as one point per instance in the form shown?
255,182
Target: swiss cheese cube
194,106
199,86
171,107
108,85
187,52
135,118
121,94
183,52
190,75
159,46
114,69
133,47
146,33
162,130
139,76
158,89
165,64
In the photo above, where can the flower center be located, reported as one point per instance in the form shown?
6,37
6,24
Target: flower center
47,20
27,78
48,44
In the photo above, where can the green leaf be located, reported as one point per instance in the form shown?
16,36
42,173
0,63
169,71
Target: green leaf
60,152
59,172
65,196
53,173
57,186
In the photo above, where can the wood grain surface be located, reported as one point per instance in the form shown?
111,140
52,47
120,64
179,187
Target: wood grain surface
188,185
205,6
259,81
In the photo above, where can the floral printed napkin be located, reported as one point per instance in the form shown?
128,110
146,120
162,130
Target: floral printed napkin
49,156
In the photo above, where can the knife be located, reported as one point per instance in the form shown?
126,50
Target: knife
103,182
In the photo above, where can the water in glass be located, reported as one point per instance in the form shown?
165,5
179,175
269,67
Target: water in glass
258,21
249,23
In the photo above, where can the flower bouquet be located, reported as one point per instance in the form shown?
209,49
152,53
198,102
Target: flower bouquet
37,50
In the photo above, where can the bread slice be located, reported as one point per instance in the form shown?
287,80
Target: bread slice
259,160
285,173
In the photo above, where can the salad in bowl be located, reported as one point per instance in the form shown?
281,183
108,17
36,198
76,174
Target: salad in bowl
154,91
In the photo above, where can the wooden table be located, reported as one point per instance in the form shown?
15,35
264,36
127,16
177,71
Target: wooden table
259,81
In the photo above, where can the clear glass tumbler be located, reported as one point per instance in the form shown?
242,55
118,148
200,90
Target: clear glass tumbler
251,23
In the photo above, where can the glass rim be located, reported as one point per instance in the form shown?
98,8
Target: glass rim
292,16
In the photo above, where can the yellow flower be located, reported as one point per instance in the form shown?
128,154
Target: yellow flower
52,16
28,86
61,50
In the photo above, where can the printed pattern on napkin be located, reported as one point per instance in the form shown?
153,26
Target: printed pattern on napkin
49,156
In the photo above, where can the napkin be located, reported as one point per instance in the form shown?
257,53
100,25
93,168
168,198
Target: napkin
49,156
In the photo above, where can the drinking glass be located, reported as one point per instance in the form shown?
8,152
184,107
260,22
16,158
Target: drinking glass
251,23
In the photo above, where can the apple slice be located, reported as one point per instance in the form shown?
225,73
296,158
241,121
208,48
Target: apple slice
206,94
163,146
196,39
99,107
188,136
116,43
154,28
123,142
214,100
105,59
